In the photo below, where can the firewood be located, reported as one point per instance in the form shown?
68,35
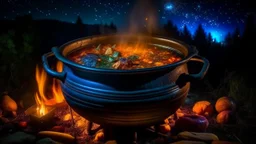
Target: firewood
57,136
197,136
188,142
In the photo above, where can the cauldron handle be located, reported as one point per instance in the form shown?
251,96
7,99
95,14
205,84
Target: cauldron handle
59,75
184,78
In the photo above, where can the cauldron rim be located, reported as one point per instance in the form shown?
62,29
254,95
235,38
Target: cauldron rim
192,51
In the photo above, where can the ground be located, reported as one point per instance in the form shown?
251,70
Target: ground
62,121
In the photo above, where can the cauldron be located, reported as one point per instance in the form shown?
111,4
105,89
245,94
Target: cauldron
125,98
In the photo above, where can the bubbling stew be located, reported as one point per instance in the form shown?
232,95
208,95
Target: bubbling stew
124,57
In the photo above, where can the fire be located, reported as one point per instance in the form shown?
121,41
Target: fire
56,89
41,99
41,110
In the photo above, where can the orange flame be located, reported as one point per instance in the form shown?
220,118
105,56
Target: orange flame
40,97
41,79
56,89
41,110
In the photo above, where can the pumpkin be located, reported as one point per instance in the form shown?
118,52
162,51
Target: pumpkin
224,117
225,103
204,108
8,105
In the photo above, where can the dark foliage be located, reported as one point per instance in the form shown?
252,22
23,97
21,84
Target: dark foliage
24,40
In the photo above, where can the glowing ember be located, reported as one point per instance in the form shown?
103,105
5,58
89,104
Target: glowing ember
41,99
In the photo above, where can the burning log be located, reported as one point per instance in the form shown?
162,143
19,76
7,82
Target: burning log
99,136
57,136
40,115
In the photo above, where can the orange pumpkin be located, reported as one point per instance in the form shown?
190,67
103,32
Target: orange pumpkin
224,117
204,108
225,103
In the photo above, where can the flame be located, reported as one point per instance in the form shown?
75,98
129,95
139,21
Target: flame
41,110
139,48
41,99
41,79
56,89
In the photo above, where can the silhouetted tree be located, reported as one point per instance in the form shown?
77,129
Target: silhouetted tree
249,30
236,35
228,40
186,36
209,38
171,30
80,27
234,48
200,40
113,27
79,21
246,49
108,29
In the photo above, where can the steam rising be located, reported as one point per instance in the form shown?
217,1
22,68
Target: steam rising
143,17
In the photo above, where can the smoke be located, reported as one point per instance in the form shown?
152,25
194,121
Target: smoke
143,17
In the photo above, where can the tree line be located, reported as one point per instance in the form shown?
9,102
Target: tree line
24,40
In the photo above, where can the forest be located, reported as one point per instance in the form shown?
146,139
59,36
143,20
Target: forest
24,40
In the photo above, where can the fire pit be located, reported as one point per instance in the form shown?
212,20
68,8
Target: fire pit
125,98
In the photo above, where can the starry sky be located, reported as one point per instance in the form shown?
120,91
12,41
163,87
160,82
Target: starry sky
217,17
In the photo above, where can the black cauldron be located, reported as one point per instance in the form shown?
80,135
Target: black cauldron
140,97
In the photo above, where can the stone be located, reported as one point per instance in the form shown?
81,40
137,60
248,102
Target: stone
18,138
191,122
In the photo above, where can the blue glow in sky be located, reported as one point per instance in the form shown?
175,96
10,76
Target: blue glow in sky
218,20
216,17
217,36
168,6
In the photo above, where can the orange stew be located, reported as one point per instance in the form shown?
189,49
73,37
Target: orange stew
124,57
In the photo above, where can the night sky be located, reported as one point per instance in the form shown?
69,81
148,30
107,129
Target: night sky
217,17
